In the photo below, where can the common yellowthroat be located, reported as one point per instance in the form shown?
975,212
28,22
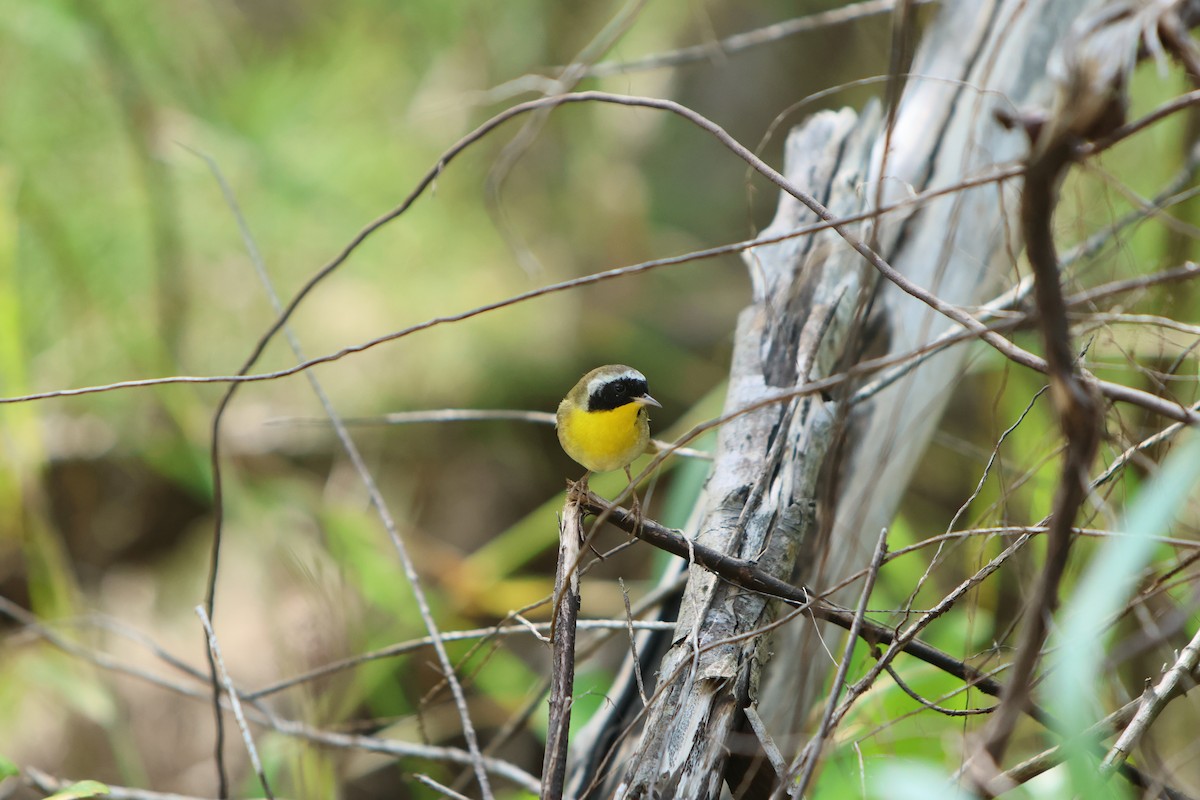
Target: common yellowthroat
602,422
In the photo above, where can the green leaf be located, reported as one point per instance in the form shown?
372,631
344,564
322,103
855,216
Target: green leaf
80,790
8,769
1108,581
911,780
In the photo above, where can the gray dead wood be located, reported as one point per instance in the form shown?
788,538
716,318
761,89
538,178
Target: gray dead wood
818,309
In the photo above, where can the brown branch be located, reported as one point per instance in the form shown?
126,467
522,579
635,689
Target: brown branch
747,575
1075,401
1129,129
932,706
1175,35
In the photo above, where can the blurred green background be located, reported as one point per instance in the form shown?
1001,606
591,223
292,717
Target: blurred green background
120,259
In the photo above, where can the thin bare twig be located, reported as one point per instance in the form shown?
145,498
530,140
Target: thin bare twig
568,78
30,622
936,558
528,629
45,782
365,477
633,648
764,739
441,789
441,415
396,748
806,763
1122,460
231,693
1153,701
949,712
256,713
739,42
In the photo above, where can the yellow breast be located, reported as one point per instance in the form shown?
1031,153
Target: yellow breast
603,440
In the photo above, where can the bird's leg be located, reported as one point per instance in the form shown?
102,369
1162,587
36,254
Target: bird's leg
634,506
577,490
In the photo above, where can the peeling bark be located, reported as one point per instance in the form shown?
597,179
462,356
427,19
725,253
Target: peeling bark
805,485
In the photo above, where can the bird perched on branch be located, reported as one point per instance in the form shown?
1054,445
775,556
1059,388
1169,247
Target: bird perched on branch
602,422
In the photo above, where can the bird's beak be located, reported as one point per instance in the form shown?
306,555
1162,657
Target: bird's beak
647,400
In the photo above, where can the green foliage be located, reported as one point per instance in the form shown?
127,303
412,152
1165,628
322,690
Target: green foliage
1076,671
80,790
910,780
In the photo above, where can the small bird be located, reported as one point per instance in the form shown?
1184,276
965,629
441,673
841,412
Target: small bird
602,422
